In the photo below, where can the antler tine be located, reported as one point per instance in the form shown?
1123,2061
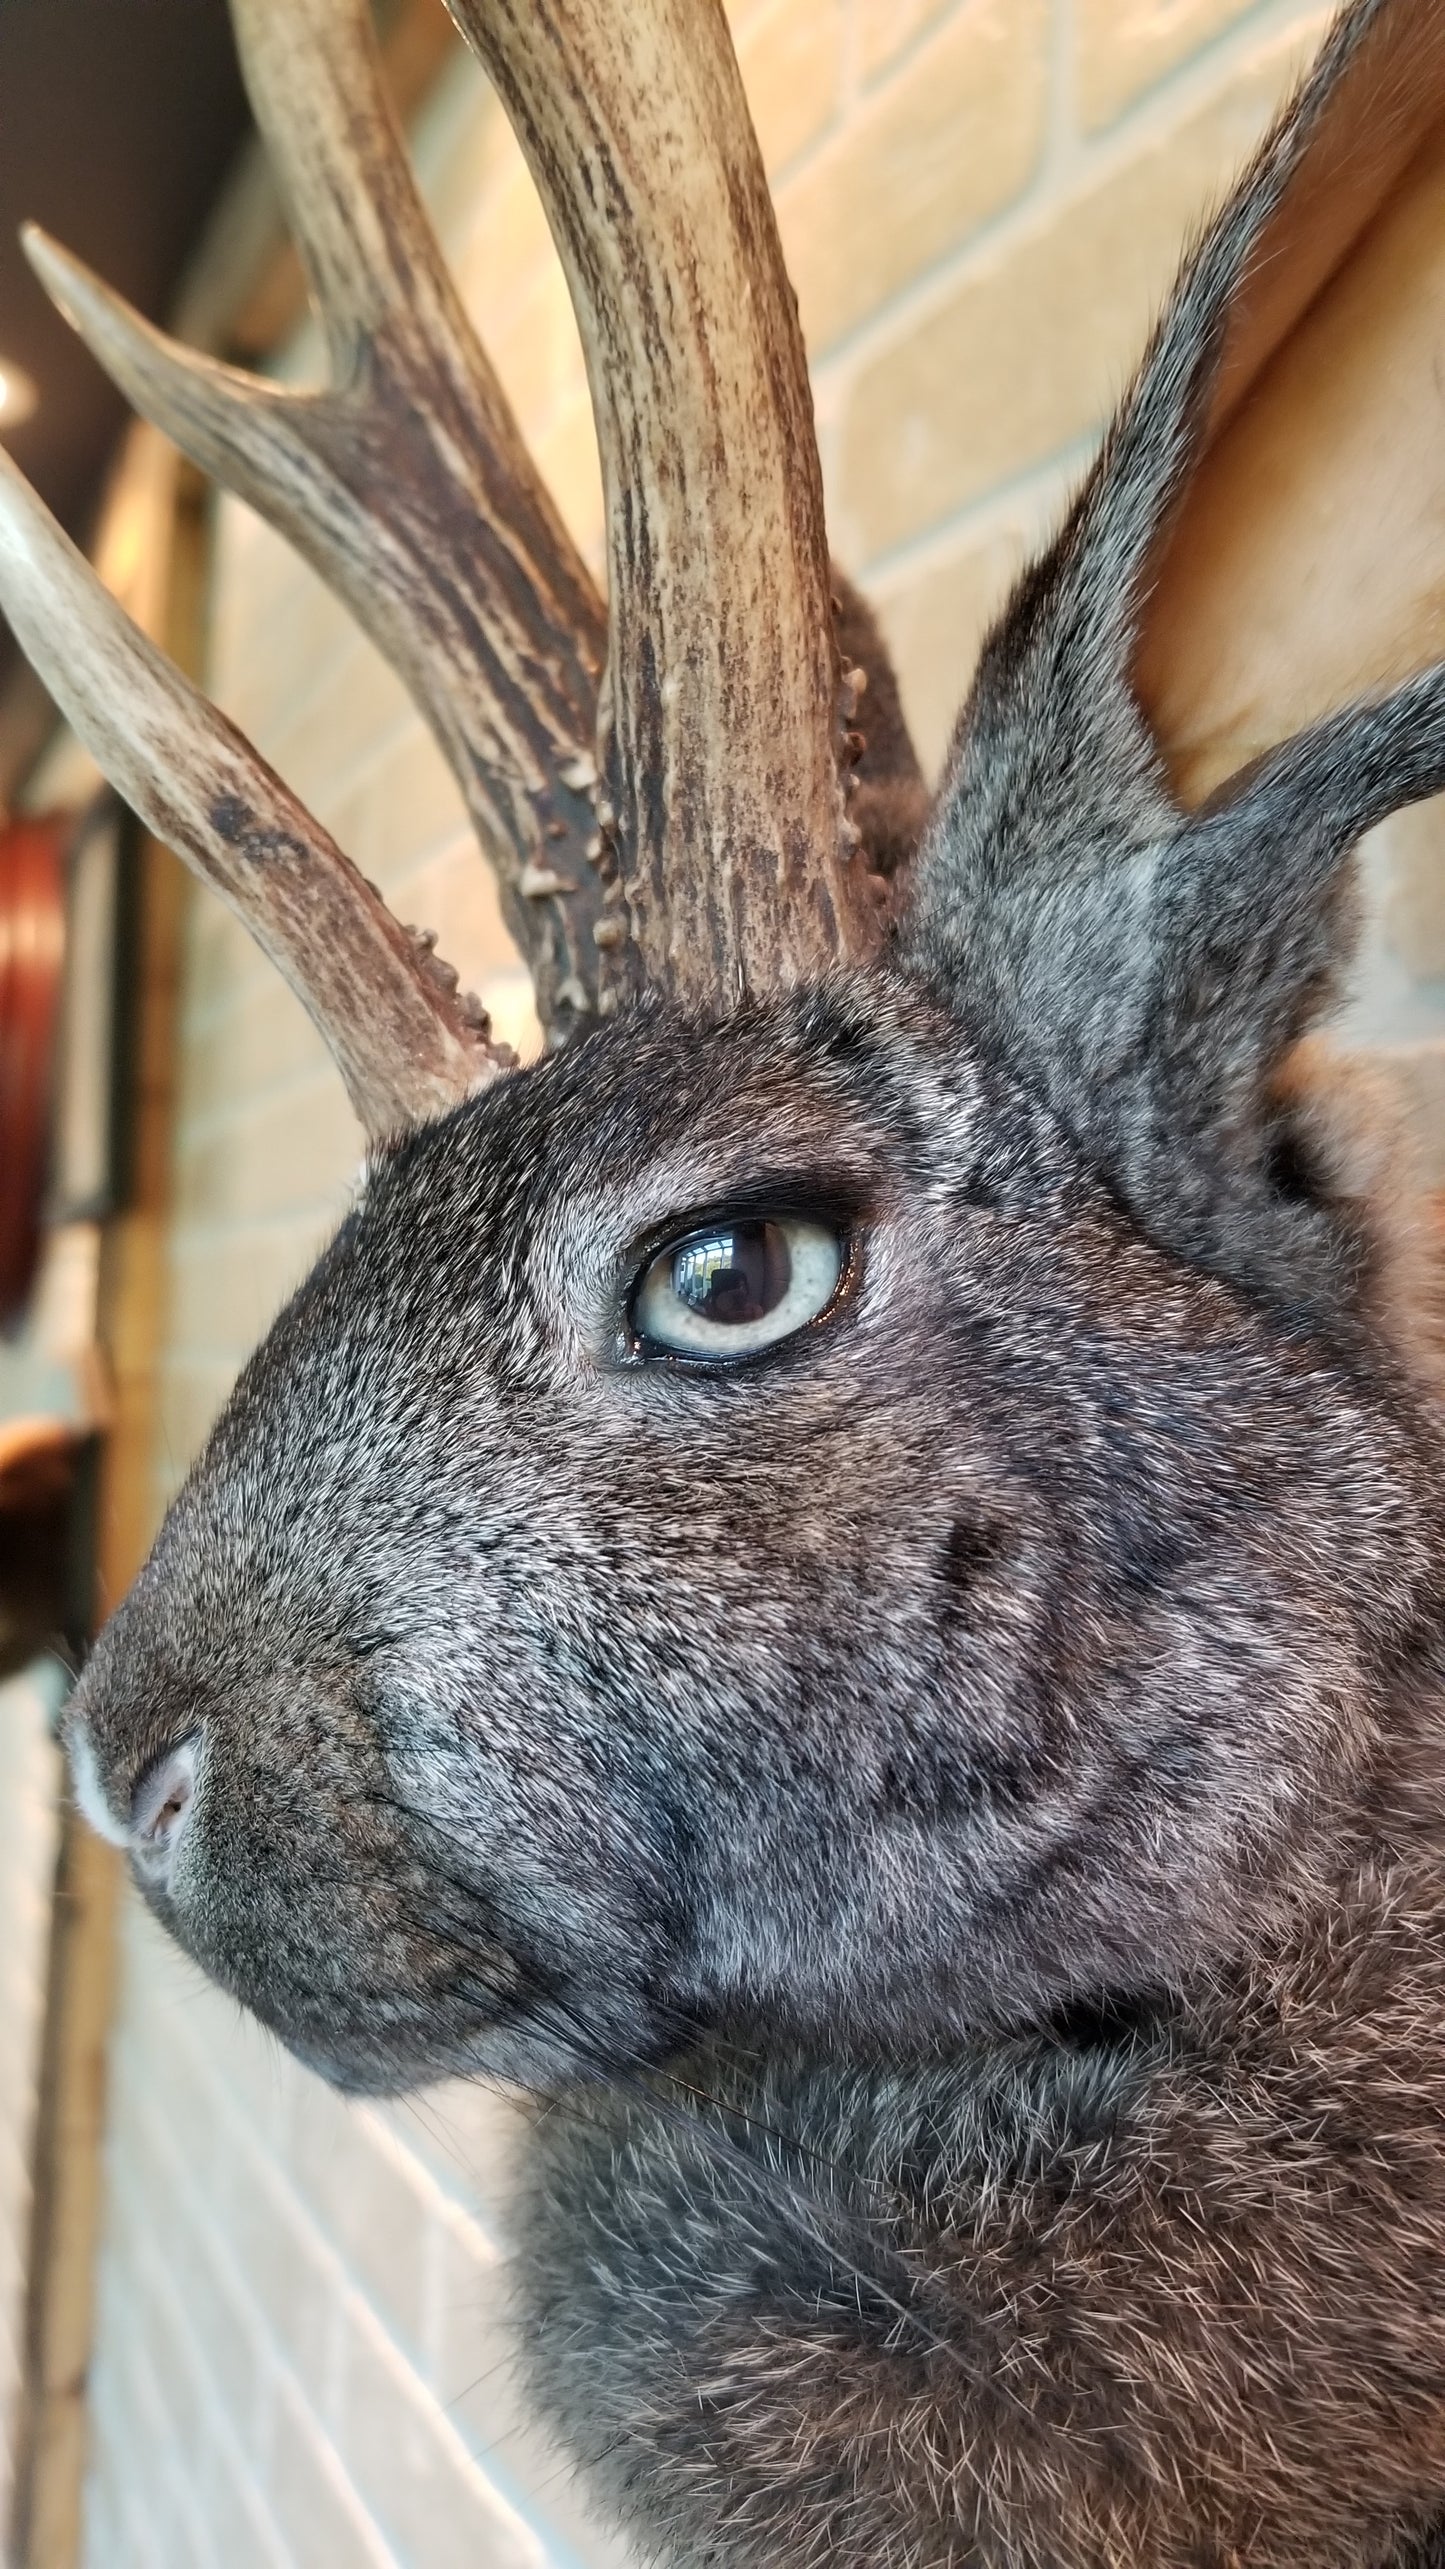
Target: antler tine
726,718
406,1045
406,483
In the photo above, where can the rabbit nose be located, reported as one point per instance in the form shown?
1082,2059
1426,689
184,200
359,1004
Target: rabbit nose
91,1798
161,1809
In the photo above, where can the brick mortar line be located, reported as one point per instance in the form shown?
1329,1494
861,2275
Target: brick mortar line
259,2154
1140,129
890,574
283,2376
220,2418
230,2110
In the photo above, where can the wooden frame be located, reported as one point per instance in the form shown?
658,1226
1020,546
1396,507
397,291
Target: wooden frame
87,1158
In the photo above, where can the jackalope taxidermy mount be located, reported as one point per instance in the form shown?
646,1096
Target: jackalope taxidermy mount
846,1578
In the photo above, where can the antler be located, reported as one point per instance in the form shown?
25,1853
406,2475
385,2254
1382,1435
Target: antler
406,483
406,1045
724,859
718,856
726,722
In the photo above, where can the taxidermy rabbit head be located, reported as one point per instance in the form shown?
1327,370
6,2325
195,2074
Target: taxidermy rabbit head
869,1493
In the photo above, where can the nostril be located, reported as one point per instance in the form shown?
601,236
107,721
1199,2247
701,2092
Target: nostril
161,1805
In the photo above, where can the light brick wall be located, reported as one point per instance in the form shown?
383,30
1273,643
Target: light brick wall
29,1801
981,201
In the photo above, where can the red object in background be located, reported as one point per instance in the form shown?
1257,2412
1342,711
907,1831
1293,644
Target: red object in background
32,948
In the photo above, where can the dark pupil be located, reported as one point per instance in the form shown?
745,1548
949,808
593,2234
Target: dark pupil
735,1275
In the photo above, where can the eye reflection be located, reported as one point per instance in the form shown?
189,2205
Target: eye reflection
737,1286
733,1276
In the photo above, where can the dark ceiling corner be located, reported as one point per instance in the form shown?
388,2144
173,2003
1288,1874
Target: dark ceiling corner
122,123
119,124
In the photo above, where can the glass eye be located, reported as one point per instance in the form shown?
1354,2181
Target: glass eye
737,1286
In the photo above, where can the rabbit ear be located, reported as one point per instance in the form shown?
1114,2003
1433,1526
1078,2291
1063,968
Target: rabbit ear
1304,565
1142,955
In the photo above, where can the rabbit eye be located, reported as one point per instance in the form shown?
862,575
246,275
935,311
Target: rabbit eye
737,1286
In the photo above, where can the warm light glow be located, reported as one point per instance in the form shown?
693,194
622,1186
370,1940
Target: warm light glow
18,395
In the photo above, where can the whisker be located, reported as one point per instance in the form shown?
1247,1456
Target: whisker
803,2210
549,2012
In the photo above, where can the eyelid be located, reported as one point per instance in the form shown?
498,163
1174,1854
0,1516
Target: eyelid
842,1200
